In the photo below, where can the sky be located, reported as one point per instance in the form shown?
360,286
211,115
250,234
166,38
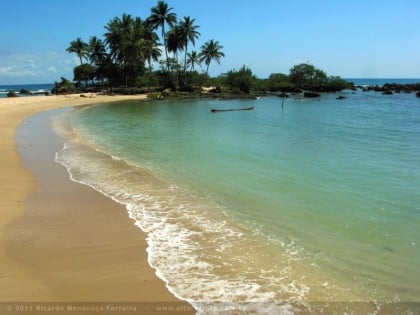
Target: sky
350,39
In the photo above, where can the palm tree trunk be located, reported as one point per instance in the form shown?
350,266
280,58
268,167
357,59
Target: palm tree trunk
167,61
185,59
166,46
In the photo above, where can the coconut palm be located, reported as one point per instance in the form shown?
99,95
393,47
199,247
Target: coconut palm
211,50
132,43
160,16
188,33
97,52
174,41
97,55
193,59
119,30
79,47
151,51
141,44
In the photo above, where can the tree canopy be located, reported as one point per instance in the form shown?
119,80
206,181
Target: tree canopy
131,46
306,76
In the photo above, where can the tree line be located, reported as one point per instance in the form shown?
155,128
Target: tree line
132,45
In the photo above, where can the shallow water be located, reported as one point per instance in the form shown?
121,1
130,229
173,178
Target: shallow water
315,202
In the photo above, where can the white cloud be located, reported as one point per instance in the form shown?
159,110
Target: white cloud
52,69
45,67
32,64
5,69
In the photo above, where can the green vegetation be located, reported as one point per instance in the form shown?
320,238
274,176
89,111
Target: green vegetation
242,81
63,87
79,47
84,72
307,77
131,47
210,51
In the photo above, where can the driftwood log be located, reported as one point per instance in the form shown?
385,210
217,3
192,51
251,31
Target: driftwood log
231,110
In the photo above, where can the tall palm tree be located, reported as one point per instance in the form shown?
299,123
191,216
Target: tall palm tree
188,33
160,16
97,52
211,50
79,47
151,50
142,43
125,39
118,31
193,59
97,56
132,43
174,41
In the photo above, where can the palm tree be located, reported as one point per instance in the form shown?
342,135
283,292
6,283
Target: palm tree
151,51
142,44
118,32
97,52
188,33
97,56
193,59
79,47
174,41
211,50
160,16
132,43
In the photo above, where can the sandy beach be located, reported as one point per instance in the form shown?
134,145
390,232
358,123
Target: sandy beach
61,241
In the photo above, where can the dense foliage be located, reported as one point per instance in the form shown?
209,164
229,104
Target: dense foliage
242,81
307,77
64,86
132,46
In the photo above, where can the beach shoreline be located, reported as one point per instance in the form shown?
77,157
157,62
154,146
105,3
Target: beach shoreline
45,256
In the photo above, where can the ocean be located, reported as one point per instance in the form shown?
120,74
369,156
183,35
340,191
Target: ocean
34,88
380,82
277,210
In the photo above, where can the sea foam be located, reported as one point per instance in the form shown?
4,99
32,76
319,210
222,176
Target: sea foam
203,257
301,250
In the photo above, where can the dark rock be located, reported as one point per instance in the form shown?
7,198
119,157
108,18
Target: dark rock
418,94
341,97
387,92
311,94
25,91
12,94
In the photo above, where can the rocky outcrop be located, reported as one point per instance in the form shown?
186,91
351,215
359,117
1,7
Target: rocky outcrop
311,94
12,94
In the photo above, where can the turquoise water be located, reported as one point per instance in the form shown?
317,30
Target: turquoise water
315,202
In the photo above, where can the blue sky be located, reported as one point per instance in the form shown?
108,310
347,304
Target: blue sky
352,39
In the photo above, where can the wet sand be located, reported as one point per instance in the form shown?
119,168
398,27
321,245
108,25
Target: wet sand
60,240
